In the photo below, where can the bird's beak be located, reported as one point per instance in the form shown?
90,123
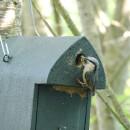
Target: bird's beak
86,58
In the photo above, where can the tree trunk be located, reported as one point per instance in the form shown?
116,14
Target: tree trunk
10,18
121,46
105,118
27,28
89,28
27,25
57,19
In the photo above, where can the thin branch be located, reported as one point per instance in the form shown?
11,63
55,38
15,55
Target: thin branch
57,20
117,106
119,68
118,10
115,41
119,25
108,106
46,23
67,18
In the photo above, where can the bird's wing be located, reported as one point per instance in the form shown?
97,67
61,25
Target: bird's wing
89,78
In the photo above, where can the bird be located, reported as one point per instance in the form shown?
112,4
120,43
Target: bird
90,73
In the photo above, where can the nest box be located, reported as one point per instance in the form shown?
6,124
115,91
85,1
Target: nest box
38,87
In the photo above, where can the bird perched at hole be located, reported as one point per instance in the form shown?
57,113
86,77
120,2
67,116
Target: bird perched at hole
90,73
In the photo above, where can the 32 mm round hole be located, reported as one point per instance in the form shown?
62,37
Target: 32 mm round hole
78,60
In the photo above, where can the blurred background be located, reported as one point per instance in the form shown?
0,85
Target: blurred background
106,24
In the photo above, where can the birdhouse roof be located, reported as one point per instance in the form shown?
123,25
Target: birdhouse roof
47,60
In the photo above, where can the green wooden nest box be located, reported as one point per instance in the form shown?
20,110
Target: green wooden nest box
38,87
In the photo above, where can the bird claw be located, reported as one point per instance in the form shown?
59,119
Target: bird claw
78,80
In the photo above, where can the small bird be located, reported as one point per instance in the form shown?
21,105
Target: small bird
90,73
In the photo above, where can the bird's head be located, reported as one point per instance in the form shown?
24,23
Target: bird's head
93,61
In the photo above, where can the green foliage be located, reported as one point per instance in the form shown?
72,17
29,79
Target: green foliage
93,119
111,4
93,101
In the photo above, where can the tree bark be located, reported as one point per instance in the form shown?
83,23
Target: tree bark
10,18
105,118
57,19
27,28
27,25
123,46
89,28
67,18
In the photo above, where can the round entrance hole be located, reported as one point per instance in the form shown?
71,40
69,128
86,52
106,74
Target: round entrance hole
78,60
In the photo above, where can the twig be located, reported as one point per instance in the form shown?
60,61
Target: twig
115,41
119,25
108,106
67,18
57,20
46,23
119,69
117,105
